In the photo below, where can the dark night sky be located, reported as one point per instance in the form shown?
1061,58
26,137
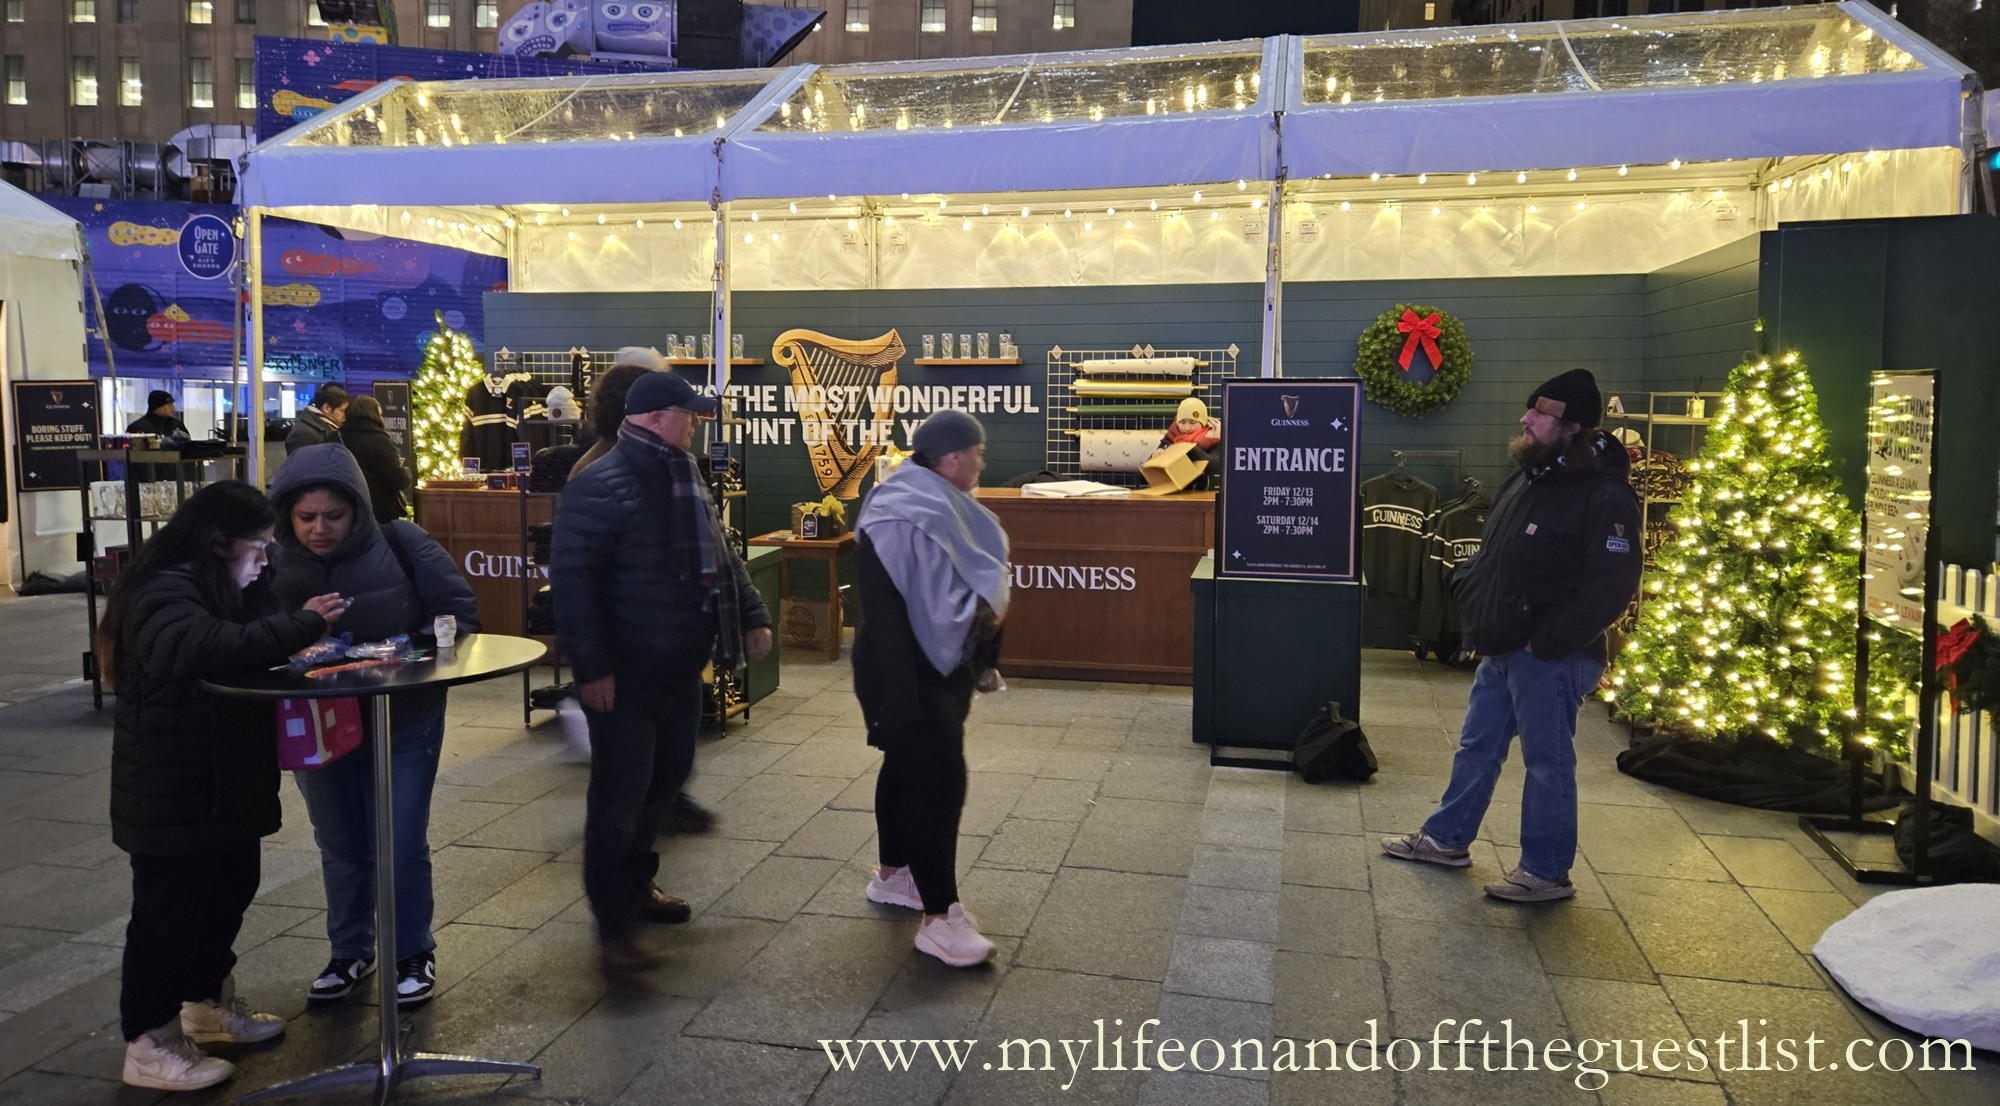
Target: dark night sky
1163,21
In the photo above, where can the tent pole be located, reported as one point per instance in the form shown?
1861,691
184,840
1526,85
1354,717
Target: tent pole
718,369
254,277
1274,282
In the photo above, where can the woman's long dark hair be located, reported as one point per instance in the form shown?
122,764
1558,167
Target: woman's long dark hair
198,536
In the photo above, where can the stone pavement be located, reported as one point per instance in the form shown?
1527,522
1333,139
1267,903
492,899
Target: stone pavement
1122,877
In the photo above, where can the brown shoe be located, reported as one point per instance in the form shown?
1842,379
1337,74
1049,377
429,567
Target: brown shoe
658,906
623,956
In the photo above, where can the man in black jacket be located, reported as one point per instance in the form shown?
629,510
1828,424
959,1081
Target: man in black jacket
1558,563
648,589
160,418
319,422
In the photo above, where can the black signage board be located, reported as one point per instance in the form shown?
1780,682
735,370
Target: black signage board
1290,497
394,396
52,420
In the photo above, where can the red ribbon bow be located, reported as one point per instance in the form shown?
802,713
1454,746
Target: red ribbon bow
1420,329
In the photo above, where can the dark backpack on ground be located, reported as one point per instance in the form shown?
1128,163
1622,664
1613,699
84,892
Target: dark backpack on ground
1332,747
1957,854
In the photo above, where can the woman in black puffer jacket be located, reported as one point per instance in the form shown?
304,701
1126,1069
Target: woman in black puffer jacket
367,437
194,777
398,580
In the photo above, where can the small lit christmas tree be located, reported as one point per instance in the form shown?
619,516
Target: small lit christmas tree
1748,622
437,401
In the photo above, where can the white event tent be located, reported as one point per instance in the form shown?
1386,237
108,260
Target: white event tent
1590,146
41,314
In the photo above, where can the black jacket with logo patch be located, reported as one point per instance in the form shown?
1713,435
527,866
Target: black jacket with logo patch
1558,562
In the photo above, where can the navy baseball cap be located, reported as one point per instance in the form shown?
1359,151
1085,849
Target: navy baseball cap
661,390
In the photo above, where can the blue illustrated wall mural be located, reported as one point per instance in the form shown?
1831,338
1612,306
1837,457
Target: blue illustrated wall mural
338,305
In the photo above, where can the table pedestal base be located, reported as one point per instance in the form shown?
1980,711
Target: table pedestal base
417,1066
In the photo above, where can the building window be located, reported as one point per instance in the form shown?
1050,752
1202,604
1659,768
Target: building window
932,21
1065,15
985,16
201,83
1430,13
437,13
201,12
314,18
246,84
246,11
15,13
131,93
486,14
857,16
83,81
17,78
128,11
83,11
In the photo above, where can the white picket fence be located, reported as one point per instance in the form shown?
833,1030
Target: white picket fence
1968,749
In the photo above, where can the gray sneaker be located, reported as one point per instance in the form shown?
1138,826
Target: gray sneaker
1421,846
1521,885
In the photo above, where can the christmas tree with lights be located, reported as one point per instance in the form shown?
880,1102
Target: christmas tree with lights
437,401
1747,625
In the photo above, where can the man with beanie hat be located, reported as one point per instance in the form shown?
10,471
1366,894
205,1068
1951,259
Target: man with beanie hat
159,418
648,590
1558,563
931,564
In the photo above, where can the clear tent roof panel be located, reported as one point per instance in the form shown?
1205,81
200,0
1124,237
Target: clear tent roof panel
1650,89
540,110
1026,90
1652,53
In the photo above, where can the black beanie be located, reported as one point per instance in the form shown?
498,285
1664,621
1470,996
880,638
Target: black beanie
157,400
1573,397
945,432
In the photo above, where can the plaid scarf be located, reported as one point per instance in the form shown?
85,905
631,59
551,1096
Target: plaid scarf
699,547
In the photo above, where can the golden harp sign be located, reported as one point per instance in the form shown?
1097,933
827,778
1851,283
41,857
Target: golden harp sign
844,413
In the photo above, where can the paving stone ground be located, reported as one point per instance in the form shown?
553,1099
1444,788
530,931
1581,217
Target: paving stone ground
1122,877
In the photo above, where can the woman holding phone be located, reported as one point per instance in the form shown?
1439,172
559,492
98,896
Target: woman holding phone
194,777
399,580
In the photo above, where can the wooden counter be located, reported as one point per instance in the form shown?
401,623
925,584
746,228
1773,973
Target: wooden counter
1100,587
482,531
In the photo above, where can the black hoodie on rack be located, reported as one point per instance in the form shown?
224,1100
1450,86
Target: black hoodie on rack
1559,560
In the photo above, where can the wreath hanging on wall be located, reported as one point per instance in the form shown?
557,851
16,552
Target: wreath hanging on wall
1393,345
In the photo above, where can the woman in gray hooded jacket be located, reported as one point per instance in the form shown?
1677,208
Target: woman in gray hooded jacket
399,579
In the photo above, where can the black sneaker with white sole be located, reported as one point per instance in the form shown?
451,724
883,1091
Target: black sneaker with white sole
416,979
338,978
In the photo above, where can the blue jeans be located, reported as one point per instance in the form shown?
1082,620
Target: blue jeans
1538,699
641,753
341,801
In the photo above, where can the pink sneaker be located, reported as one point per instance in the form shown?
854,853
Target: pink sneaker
899,889
953,939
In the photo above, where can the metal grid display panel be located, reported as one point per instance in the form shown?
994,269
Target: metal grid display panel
1065,425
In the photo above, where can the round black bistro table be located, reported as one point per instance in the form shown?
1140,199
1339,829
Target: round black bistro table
476,657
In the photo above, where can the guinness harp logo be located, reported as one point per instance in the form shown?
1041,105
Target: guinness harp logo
844,410
1291,404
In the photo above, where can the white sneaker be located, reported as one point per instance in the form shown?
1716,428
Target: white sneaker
953,939
172,1064
232,1021
898,890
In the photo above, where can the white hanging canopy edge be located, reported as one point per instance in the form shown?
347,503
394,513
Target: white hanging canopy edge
31,228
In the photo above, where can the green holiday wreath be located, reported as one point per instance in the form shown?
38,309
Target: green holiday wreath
1395,342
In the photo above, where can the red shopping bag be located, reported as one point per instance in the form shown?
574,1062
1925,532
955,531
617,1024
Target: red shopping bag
313,733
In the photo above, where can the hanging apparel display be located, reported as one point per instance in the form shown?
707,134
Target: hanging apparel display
492,416
1394,509
1452,538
